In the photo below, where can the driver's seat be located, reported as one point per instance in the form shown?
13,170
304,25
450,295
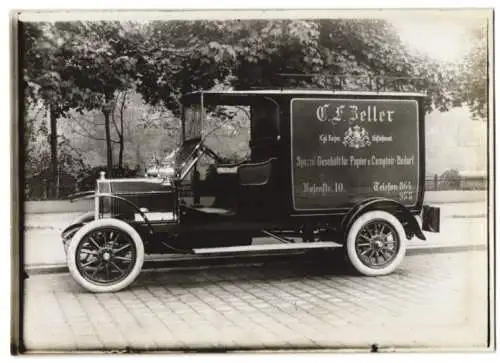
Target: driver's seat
255,174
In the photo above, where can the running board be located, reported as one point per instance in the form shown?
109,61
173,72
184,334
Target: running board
268,247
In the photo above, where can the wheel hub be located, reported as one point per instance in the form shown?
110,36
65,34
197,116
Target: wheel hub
378,244
106,256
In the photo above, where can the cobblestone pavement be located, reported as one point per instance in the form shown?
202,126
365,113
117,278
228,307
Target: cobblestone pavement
431,301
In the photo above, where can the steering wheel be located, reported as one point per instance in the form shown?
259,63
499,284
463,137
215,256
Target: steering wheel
210,153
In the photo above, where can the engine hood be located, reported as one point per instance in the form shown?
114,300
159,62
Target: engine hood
134,186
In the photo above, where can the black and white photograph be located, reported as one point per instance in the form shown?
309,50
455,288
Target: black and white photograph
253,181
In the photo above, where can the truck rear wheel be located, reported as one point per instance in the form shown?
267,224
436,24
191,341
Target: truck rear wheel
105,255
376,243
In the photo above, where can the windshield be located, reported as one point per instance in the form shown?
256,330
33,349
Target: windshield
193,122
186,152
189,154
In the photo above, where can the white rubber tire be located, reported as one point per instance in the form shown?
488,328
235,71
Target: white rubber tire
350,245
103,223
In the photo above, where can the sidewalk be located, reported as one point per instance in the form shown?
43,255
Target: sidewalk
463,227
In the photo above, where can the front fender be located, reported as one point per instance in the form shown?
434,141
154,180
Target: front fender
84,218
78,223
407,219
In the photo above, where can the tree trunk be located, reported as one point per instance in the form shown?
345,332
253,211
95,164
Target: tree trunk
120,155
138,159
53,154
122,132
109,146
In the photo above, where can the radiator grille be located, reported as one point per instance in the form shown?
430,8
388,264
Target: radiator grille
105,207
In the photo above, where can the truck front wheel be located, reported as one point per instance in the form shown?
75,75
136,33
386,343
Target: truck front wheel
105,255
376,243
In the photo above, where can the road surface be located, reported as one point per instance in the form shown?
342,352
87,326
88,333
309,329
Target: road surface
431,301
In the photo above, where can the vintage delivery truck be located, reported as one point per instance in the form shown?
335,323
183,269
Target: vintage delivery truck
325,169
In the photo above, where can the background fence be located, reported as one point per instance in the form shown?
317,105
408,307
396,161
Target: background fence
457,182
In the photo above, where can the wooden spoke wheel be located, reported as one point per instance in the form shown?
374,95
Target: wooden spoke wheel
105,255
376,243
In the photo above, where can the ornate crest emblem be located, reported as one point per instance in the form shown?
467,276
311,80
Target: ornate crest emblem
356,137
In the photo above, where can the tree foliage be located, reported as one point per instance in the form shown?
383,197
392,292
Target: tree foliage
37,157
42,83
99,61
473,75
179,57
